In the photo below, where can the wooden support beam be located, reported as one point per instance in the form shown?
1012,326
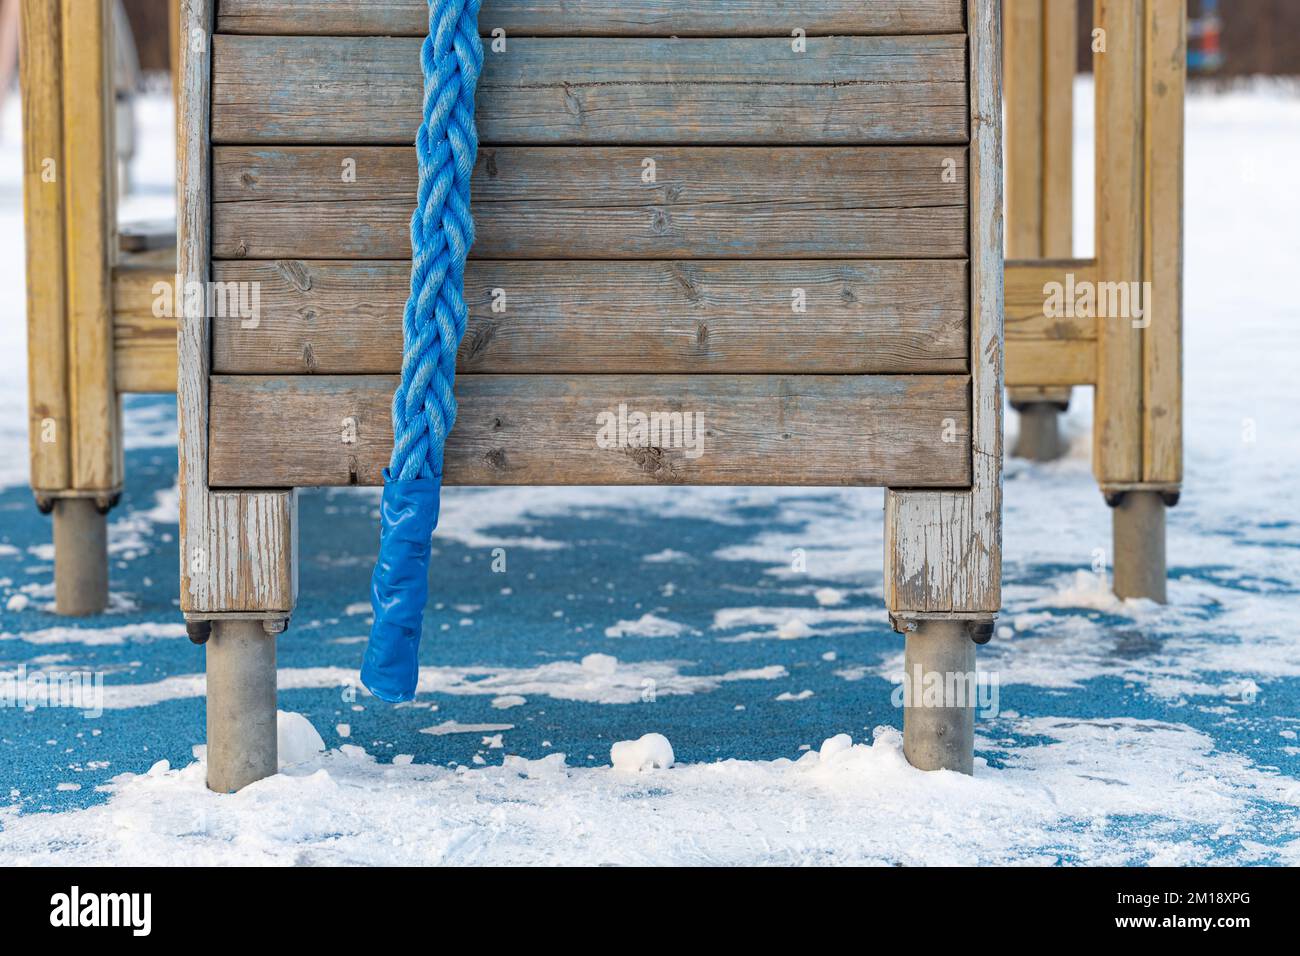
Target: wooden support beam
1117,439
1162,399
1060,53
238,549
89,183
1023,48
943,549
41,54
1039,72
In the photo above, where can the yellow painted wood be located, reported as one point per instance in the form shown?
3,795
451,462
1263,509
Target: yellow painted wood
1060,33
88,180
1162,420
1023,72
1117,439
41,78
1045,350
144,344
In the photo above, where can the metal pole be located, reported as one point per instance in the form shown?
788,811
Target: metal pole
241,705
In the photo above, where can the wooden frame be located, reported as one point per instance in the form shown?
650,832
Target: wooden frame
943,549
943,516
92,332
1136,367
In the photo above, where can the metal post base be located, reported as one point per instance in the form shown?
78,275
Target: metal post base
1040,432
939,737
80,557
1138,521
241,705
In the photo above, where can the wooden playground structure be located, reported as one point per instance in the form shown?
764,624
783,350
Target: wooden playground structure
675,294
92,332
1133,361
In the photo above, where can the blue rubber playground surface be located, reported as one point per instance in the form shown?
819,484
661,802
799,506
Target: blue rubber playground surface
744,625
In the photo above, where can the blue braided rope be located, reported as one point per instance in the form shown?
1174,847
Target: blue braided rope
442,231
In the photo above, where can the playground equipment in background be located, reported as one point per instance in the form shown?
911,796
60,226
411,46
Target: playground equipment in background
861,183
1204,54
92,334
1134,362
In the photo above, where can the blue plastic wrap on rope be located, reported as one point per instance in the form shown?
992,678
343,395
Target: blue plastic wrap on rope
424,408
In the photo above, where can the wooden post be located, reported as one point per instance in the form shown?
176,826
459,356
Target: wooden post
943,549
41,58
1117,442
1162,357
69,184
1138,442
1039,76
238,550
89,164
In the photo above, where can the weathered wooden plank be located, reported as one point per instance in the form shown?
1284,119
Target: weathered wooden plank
543,429
252,547
943,549
47,347
591,203
1117,441
193,254
654,18
841,90
1043,349
237,549
1162,354
87,175
144,344
573,317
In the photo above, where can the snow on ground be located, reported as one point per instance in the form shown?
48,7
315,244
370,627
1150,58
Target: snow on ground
1123,733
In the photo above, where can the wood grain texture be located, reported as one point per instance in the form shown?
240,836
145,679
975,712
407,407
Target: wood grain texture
651,18
1042,350
842,90
40,55
333,317
1117,438
238,549
590,203
1025,139
144,344
943,549
1060,53
1039,68
1162,355
543,430
252,547
87,172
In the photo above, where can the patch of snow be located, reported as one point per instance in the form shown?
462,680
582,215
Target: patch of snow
648,625
650,752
